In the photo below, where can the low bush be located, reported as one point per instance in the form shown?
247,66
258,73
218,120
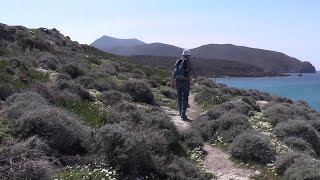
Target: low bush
206,128
231,125
205,94
134,152
88,82
206,82
299,129
315,124
64,96
92,113
74,88
27,160
73,70
278,99
111,68
25,97
285,161
169,93
64,77
252,103
191,138
50,62
19,104
113,97
303,168
257,95
279,113
108,84
236,107
153,83
181,168
62,130
252,146
124,112
298,145
6,90
139,91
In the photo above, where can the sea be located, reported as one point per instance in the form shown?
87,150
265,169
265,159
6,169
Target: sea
305,87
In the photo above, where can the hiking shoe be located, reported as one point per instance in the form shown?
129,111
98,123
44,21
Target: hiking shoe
185,118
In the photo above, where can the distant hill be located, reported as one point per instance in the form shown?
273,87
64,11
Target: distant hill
203,67
107,43
153,49
269,61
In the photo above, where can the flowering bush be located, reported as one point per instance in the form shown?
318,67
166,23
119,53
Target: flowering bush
252,146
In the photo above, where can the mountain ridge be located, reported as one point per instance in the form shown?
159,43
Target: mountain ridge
269,60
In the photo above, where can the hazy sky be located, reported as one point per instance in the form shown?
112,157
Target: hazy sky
289,26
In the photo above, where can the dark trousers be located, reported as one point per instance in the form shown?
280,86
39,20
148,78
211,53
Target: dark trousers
183,89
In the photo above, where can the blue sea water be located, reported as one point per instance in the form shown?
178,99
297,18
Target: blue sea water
305,87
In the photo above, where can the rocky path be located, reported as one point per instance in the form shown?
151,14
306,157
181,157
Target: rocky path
216,160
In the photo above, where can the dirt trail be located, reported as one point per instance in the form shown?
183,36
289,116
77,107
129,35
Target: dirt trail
216,160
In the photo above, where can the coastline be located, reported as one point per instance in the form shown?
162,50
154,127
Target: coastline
293,86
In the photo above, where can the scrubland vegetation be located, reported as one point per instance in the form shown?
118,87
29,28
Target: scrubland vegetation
70,111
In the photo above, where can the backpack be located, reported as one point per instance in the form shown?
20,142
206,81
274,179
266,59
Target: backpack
181,68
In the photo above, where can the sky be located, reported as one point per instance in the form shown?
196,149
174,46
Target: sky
288,26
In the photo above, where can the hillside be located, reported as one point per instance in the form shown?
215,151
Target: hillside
269,61
70,111
204,67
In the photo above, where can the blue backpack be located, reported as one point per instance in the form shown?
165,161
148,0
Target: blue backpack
181,69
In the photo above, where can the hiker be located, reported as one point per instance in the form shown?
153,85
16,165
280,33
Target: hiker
181,81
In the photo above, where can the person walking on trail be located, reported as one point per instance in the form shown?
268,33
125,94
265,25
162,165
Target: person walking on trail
181,80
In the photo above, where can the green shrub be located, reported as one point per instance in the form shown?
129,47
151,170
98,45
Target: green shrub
25,97
26,160
139,91
113,97
93,114
133,152
315,124
124,112
169,93
191,138
252,146
285,161
299,129
206,82
6,90
73,70
279,113
299,145
252,103
153,83
181,168
74,88
207,96
62,130
206,128
303,168
238,107
88,82
92,171
4,130
231,125
111,68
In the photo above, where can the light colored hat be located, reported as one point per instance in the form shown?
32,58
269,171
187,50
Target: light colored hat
186,52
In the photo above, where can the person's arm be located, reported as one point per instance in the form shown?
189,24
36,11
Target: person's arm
173,82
